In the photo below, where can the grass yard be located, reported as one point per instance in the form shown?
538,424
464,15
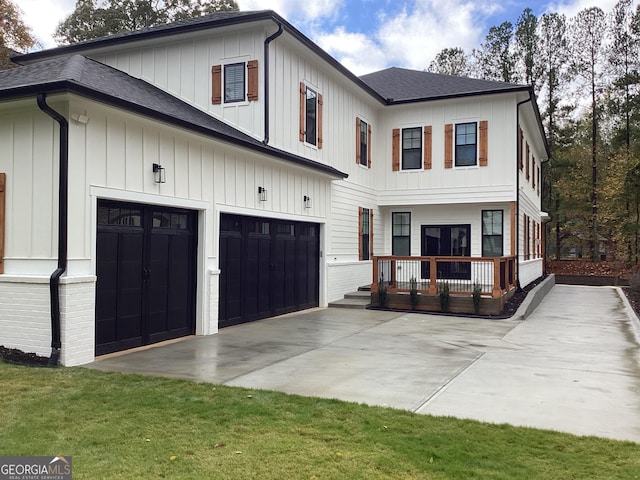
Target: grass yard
129,426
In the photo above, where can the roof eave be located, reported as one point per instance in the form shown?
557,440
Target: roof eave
391,101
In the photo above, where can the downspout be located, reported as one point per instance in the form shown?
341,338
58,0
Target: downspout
267,41
63,182
518,153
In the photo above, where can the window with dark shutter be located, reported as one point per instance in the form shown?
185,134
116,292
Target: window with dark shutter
411,148
466,144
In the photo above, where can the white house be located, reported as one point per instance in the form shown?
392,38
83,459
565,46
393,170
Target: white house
185,177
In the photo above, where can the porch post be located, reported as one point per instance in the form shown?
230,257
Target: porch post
433,276
497,291
376,277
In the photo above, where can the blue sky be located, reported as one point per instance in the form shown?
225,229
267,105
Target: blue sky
368,35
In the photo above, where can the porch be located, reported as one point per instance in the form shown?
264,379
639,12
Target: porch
491,280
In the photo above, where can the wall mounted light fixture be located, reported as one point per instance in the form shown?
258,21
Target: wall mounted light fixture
307,201
158,173
262,194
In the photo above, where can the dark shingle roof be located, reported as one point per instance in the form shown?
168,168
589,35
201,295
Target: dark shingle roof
401,85
83,76
202,22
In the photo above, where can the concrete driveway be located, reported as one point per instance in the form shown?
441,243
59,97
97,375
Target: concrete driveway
573,365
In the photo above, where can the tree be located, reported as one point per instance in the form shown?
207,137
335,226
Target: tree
624,61
553,55
495,58
92,20
15,35
527,48
587,46
450,61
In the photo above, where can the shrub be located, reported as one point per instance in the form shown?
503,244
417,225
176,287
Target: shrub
444,296
477,295
413,292
382,293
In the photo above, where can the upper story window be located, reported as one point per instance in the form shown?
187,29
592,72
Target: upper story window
466,144
310,116
234,82
411,148
363,143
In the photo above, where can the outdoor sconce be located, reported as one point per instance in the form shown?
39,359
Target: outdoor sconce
262,194
158,173
307,201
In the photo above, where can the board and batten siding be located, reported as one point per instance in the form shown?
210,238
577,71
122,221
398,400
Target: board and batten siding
29,157
343,102
182,67
494,182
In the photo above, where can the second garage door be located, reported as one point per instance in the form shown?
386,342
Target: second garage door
268,267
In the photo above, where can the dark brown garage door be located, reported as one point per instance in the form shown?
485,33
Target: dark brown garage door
146,275
268,267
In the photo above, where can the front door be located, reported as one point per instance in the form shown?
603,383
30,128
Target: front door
146,275
447,241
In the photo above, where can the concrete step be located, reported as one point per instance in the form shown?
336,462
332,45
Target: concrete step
365,288
358,294
351,303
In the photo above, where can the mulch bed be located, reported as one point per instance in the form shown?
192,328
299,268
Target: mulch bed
18,357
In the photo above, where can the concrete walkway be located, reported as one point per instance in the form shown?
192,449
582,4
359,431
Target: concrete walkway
573,365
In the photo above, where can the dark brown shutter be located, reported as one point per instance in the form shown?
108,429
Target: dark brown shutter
303,94
395,150
252,80
369,145
216,84
427,147
539,181
448,145
320,103
359,233
484,139
358,140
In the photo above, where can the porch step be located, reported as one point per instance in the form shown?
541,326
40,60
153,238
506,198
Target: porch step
359,299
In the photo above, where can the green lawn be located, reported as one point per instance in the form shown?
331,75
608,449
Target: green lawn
129,426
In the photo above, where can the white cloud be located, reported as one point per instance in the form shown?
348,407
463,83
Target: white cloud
43,17
411,38
302,10
571,7
356,51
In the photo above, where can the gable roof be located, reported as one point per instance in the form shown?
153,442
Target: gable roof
401,85
83,76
